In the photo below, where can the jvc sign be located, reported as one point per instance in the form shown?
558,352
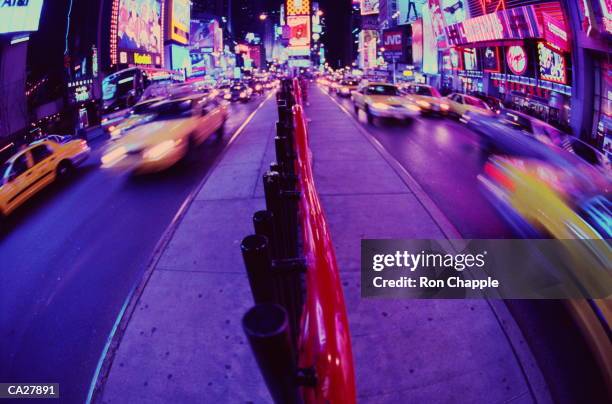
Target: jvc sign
394,42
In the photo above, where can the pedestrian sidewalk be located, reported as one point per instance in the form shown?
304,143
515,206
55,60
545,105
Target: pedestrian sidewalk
184,343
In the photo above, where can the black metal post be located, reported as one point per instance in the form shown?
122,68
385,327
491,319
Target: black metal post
263,225
258,263
287,274
267,330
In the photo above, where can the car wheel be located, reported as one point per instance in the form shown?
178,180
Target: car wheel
64,169
369,115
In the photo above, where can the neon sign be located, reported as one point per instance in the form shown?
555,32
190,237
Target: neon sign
516,57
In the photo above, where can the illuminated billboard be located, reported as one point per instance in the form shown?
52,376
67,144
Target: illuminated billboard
180,14
139,32
19,16
369,7
430,44
552,65
417,42
409,10
490,59
299,36
298,7
516,58
453,11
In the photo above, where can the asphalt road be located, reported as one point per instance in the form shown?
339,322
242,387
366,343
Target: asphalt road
69,258
443,156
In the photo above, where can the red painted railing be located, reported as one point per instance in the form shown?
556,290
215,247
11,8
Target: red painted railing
325,342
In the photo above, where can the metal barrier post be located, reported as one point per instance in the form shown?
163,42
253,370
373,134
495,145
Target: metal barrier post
267,330
258,263
289,291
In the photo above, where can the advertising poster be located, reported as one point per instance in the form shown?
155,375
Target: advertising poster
179,25
469,59
298,7
367,49
516,58
417,42
139,31
369,7
299,31
453,11
393,42
437,22
430,44
454,58
203,36
409,10
552,65
490,59
20,16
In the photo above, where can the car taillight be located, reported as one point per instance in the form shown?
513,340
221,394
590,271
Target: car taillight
496,174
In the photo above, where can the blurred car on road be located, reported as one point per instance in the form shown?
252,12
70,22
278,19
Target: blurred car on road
459,104
180,125
494,103
383,100
347,87
139,114
428,98
512,133
36,166
238,92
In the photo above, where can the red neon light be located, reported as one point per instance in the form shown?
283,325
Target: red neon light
113,31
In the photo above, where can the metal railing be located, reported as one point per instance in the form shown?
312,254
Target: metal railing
298,329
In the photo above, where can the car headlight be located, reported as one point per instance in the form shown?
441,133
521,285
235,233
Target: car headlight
243,94
227,96
412,107
423,104
115,133
159,150
380,105
444,107
113,156
344,90
258,87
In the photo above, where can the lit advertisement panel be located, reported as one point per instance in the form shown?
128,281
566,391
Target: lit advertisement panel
203,36
369,7
516,23
453,11
430,44
490,59
469,59
516,58
298,7
552,65
19,16
606,11
299,36
409,10
179,21
437,21
139,31
417,42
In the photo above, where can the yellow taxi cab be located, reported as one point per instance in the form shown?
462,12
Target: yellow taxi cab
461,103
347,87
179,125
383,100
428,98
139,114
537,197
36,166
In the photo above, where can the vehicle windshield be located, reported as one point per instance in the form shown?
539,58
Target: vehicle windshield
145,107
382,90
516,121
118,86
172,110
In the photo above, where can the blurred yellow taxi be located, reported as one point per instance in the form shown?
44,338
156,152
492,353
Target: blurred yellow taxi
179,124
36,166
428,98
459,104
383,100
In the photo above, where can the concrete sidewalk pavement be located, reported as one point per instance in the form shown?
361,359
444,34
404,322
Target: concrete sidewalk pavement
183,342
